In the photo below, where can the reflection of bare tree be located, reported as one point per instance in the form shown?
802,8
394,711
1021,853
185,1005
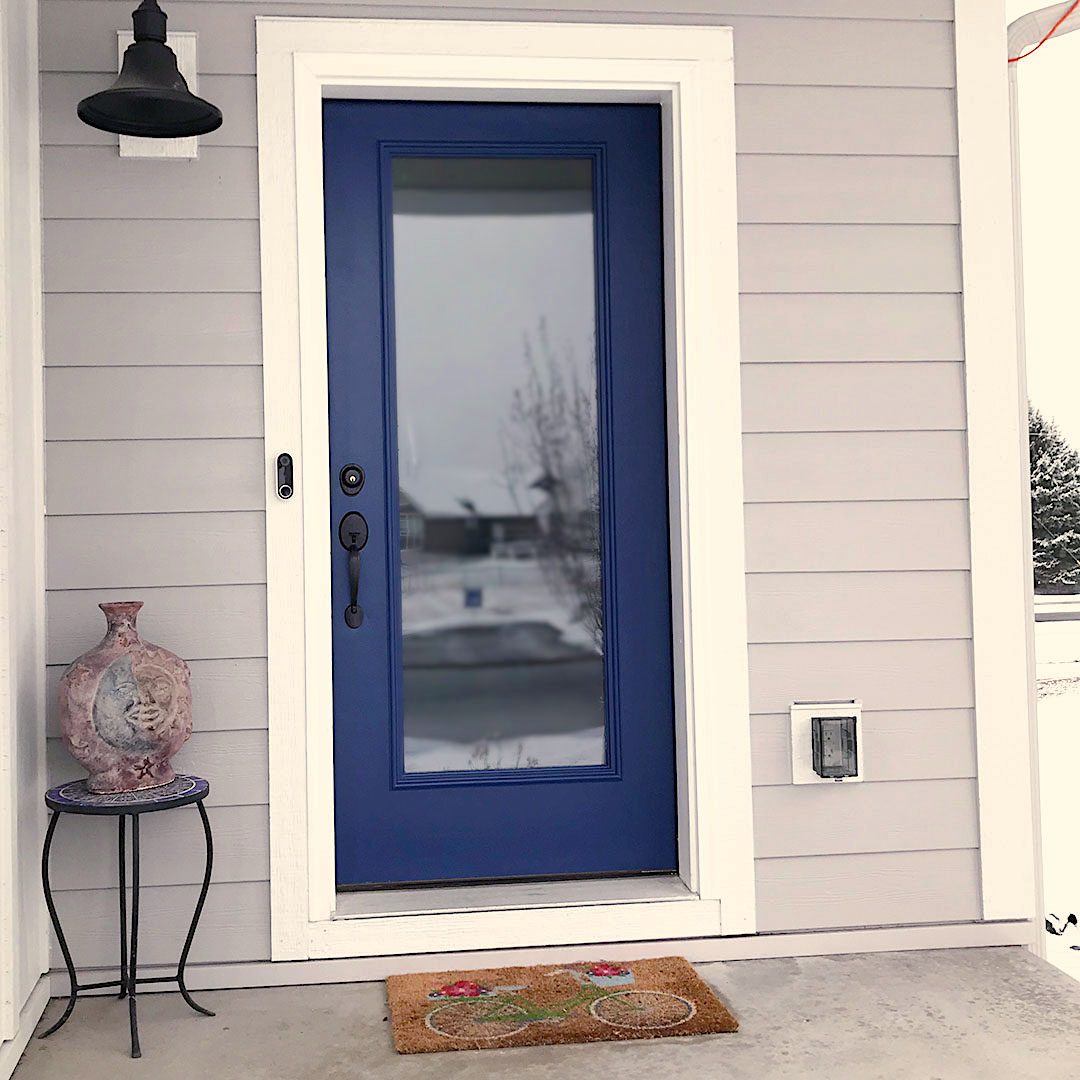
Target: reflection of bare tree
551,446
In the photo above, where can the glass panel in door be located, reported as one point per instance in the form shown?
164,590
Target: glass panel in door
498,473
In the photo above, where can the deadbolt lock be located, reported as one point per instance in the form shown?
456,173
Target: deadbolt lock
351,479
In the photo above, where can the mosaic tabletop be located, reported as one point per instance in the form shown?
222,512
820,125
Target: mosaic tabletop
75,797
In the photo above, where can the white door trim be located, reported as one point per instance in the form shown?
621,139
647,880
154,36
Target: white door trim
24,928
1001,577
689,71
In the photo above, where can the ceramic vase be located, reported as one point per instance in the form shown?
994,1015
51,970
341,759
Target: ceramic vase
125,707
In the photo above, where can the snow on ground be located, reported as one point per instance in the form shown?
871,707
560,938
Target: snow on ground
502,663
527,752
1059,767
510,590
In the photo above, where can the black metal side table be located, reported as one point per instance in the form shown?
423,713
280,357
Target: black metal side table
76,798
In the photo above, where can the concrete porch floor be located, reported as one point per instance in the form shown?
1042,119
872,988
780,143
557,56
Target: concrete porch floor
943,1015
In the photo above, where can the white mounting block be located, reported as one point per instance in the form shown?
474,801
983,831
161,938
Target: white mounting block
802,747
183,44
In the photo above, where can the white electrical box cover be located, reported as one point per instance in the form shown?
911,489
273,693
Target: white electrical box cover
802,745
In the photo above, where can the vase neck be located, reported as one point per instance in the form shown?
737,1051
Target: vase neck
121,619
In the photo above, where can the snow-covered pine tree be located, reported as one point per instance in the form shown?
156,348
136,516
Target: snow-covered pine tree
1055,507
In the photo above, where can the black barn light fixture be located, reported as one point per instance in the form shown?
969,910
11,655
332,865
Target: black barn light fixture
150,97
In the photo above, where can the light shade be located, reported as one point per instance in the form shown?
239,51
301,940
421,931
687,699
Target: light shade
150,97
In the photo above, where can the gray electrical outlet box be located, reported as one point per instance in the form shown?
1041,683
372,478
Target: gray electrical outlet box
835,746
826,744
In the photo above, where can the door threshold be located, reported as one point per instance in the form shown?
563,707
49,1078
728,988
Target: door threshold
530,894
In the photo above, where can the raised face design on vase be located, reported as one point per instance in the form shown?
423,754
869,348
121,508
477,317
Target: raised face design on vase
119,712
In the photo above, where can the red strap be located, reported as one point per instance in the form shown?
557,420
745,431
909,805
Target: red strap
1050,33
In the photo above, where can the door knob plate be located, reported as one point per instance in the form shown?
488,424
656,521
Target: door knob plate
353,530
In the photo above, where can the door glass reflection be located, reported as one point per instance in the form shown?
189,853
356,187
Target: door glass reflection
501,591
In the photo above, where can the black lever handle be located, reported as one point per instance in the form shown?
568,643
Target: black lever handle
353,534
354,614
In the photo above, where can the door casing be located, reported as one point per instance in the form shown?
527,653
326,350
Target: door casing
689,72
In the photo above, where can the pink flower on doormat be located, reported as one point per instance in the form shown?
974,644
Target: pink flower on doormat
461,988
601,970
605,974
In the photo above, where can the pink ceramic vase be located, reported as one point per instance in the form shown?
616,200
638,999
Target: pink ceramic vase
125,707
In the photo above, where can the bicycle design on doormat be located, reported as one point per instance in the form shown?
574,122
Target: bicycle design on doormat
472,1012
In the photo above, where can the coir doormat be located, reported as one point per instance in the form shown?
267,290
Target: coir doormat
549,1004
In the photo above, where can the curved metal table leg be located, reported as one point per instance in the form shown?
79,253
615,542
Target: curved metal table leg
132,976
123,908
198,913
74,992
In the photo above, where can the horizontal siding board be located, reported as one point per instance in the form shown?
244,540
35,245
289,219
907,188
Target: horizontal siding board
848,819
796,537
853,397
895,746
235,925
144,550
94,329
891,10
198,623
778,51
222,402
869,606
77,36
850,327
884,675
227,695
889,121
848,258
842,466
126,256
154,477
876,889
235,763
61,93
792,894
223,256
845,120
84,854
95,182
777,188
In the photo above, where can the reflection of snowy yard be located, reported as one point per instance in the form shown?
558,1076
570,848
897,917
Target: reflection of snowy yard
499,671
1059,762
531,751
510,590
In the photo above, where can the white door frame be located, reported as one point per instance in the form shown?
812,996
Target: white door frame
689,72
998,484
24,927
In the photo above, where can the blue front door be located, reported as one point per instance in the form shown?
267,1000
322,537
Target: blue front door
503,680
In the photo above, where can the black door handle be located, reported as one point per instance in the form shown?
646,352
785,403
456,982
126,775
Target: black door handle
353,534
354,614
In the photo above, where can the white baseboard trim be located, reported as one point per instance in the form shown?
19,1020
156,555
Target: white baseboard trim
12,1049
698,950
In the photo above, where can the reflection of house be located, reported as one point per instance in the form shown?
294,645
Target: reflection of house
464,512
569,512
